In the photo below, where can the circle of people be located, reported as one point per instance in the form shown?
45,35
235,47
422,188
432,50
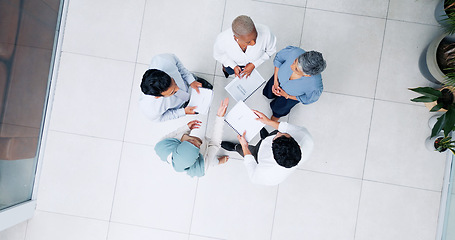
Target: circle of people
167,86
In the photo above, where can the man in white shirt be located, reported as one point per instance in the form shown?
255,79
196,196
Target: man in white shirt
276,156
166,89
243,47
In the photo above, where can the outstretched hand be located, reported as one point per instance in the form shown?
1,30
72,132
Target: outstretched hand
242,139
194,124
223,106
261,117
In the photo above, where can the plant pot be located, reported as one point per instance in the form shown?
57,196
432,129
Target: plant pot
432,121
430,105
439,13
432,62
430,142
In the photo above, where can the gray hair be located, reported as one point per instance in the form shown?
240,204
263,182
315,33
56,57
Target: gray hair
311,63
243,25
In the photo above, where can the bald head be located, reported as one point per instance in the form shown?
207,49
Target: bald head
243,25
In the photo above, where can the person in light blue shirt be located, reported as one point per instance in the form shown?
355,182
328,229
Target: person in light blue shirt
166,89
190,154
297,78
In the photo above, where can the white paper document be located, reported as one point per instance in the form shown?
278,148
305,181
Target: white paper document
242,88
241,118
202,100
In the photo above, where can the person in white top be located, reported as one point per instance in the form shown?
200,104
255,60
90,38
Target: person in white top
166,89
277,155
243,47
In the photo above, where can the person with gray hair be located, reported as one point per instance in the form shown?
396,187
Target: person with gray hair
243,47
297,78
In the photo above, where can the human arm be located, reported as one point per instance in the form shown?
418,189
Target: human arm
276,83
187,76
269,47
244,144
183,130
310,97
265,120
214,143
160,109
280,92
221,47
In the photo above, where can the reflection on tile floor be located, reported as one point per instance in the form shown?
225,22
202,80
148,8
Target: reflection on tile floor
368,178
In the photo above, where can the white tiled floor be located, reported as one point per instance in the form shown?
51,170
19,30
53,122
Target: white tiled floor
368,178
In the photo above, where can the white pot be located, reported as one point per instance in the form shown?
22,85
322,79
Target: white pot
432,121
432,63
429,142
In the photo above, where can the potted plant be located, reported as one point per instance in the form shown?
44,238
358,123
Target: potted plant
436,99
444,100
441,144
441,51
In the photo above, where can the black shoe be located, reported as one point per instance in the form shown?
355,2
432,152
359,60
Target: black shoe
228,146
205,83
263,133
225,73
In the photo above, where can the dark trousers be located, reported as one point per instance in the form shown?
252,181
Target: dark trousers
280,105
231,71
253,149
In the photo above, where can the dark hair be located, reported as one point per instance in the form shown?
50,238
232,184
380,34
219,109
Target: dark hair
286,151
154,82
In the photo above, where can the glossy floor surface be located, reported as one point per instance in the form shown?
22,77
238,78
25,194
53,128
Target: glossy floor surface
369,177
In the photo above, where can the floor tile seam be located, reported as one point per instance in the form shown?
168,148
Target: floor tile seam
204,236
418,23
375,92
134,74
303,25
274,212
401,185
72,215
358,210
194,205
281,4
345,13
330,174
26,229
224,14
148,227
99,57
85,135
114,194
371,98
397,102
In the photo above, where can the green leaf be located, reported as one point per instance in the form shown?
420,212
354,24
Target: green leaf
438,126
427,91
424,99
437,107
449,121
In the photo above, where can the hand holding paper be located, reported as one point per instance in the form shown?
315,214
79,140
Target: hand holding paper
241,118
202,100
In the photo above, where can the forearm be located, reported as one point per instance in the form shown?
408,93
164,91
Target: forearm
275,76
216,137
172,114
292,97
246,150
178,133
